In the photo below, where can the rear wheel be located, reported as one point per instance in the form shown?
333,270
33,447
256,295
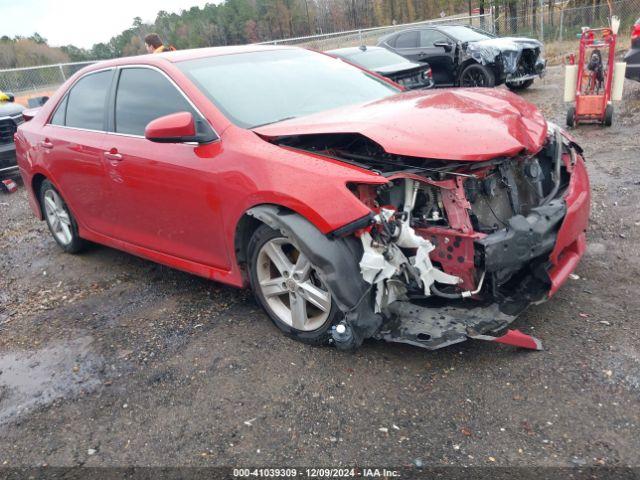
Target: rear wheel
476,75
61,222
287,285
520,85
571,116
608,116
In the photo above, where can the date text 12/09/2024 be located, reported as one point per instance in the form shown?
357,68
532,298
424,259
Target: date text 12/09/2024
315,472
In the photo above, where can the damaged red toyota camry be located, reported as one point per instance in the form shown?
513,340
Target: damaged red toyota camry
353,209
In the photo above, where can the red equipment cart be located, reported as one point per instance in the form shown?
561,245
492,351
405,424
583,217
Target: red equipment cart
595,78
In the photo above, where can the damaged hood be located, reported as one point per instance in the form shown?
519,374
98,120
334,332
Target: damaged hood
459,124
506,43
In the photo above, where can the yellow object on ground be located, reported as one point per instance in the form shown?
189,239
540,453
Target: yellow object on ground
3,97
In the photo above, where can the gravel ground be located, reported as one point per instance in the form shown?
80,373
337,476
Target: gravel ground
110,360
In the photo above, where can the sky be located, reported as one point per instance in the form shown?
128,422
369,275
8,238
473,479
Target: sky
81,22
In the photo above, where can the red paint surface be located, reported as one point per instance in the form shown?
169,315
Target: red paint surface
571,240
176,125
519,339
457,124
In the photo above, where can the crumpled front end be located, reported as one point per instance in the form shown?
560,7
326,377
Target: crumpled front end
518,59
459,252
451,249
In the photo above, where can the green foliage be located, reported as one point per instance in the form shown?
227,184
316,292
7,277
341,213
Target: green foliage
234,22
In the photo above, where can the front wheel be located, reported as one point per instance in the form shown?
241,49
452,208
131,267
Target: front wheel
476,75
519,84
62,224
287,286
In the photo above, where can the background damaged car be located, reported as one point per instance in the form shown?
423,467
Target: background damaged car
408,74
465,56
352,209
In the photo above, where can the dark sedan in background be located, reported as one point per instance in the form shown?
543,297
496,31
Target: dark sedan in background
632,57
465,56
411,75
10,118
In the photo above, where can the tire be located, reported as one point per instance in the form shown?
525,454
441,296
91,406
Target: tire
276,297
61,222
522,85
608,116
476,75
571,116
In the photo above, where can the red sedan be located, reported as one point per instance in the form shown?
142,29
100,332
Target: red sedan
352,208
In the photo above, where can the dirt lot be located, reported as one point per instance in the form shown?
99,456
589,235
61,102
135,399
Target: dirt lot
106,359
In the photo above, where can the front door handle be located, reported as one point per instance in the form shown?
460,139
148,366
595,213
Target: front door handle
47,144
113,155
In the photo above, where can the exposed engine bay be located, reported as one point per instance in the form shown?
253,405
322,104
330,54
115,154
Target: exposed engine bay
452,250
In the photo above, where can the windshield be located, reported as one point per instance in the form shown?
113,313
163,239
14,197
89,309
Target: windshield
259,88
375,58
466,34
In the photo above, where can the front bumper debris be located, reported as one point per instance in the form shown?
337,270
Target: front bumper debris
523,262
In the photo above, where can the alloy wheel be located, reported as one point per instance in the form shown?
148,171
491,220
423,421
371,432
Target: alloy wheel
291,286
58,217
474,78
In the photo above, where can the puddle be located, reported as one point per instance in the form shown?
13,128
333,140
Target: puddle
33,378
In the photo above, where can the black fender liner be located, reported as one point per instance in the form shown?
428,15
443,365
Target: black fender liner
337,262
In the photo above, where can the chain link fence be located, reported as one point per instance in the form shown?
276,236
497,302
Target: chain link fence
36,81
369,36
555,21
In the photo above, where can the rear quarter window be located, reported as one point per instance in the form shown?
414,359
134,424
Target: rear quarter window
58,117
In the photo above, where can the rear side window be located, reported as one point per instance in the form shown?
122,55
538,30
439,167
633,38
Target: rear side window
86,101
144,95
59,117
407,40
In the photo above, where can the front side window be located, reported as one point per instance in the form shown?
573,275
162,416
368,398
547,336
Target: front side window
143,95
86,101
429,37
258,88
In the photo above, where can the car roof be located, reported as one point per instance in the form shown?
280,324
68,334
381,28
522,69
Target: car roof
439,26
182,55
351,50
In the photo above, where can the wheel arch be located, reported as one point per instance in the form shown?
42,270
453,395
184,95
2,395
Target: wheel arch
36,184
463,65
247,224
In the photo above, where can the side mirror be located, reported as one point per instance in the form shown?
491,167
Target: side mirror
179,127
445,45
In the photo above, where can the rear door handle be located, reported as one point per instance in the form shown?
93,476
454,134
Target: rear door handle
113,155
47,144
